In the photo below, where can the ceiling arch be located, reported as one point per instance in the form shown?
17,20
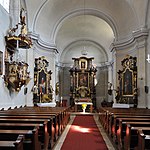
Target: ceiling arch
118,14
85,28
81,12
92,49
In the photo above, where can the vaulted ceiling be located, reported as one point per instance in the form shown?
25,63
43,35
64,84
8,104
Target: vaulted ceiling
74,25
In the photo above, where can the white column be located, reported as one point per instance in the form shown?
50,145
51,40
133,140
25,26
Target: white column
14,12
114,75
141,77
110,75
30,61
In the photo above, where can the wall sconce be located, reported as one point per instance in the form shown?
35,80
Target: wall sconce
148,58
146,89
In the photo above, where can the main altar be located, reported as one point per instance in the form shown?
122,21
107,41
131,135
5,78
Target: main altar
82,86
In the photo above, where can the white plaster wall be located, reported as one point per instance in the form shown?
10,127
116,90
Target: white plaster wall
46,17
137,49
8,99
148,64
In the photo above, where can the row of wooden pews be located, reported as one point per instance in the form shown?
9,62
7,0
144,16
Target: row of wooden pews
34,128
128,128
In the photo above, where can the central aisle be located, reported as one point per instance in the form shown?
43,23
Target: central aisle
84,134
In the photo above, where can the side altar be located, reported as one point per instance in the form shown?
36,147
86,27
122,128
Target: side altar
42,89
82,86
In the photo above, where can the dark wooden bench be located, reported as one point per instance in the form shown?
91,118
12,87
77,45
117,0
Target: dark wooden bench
105,114
30,138
114,125
12,145
121,132
43,131
43,135
143,139
131,137
112,118
59,117
53,128
109,117
61,113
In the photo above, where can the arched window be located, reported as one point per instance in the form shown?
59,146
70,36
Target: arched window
5,4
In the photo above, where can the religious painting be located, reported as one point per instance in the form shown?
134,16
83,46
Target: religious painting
1,63
82,65
42,90
127,83
83,79
42,82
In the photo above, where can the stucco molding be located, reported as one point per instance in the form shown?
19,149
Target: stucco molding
50,47
136,37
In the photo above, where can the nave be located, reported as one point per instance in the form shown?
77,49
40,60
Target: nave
45,128
102,140
60,128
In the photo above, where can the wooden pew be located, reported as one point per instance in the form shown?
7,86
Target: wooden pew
60,117
107,113
53,128
62,114
112,118
109,118
12,145
143,139
63,111
131,137
113,126
121,132
43,131
30,138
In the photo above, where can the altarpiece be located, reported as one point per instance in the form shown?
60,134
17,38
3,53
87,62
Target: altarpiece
42,90
127,90
82,77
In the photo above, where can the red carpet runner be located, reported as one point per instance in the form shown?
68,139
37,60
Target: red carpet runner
84,135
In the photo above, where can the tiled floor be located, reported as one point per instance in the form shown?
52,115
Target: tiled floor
62,138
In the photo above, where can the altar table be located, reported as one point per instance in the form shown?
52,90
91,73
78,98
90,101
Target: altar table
80,103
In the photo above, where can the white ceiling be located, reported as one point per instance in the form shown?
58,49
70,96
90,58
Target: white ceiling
67,24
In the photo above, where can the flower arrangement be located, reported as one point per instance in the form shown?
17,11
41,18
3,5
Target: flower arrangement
84,107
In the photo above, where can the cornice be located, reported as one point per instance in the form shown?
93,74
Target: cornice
41,44
138,35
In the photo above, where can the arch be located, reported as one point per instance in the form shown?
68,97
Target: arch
92,12
77,43
37,13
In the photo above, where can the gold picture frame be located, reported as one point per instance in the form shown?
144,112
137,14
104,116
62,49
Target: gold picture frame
127,82
83,79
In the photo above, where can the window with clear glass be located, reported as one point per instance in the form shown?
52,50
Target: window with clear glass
5,4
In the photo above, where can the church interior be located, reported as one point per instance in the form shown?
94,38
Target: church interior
83,66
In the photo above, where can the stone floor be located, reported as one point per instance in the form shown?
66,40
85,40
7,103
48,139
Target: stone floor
105,137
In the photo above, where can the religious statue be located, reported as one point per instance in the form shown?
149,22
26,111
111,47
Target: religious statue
42,86
109,88
57,88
